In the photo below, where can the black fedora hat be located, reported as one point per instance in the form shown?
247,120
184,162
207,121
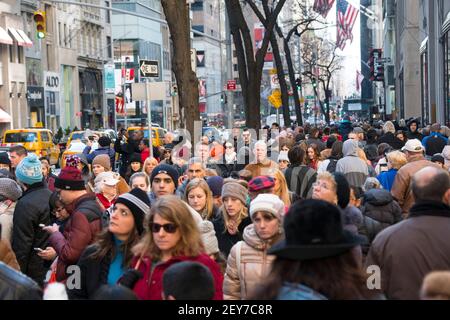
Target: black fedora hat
314,230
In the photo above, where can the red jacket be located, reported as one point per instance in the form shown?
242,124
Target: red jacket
105,202
145,154
150,286
80,230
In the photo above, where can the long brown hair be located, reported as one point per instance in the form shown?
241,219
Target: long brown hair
337,278
105,245
241,215
172,209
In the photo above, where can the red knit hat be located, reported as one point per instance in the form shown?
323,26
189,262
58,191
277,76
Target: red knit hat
70,177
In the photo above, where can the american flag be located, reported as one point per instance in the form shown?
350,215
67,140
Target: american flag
323,7
346,18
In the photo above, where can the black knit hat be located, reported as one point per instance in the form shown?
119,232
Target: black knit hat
167,169
139,204
136,157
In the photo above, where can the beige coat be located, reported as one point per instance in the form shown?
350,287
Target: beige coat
262,169
401,189
6,219
7,255
255,265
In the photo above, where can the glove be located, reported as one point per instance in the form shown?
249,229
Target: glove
130,277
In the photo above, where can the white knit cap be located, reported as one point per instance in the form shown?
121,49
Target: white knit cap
283,156
55,291
267,203
209,238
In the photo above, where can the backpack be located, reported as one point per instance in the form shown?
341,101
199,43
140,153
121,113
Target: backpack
298,174
331,167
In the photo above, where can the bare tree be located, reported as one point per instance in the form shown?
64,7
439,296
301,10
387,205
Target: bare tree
250,65
177,17
321,64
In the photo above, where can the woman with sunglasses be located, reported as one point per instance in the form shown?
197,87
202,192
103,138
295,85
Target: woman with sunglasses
173,237
105,261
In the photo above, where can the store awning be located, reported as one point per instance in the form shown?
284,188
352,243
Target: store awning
18,38
24,36
4,116
4,37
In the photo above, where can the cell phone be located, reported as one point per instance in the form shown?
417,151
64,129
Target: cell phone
38,249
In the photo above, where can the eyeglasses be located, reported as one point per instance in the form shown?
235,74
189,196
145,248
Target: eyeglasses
321,185
168,227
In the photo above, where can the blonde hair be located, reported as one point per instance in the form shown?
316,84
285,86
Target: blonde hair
329,177
241,215
207,211
283,192
155,162
397,159
361,154
436,285
172,209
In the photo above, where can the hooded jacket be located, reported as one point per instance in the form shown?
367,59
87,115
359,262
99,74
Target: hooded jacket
354,169
416,134
380,211
255,265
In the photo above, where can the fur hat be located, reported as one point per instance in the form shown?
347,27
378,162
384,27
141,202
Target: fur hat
388,127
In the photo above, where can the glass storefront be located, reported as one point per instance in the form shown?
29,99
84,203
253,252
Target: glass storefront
91,98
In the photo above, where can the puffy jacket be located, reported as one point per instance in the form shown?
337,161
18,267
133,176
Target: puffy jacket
31,210
401,189
102,150
6,218
434,143
255,265
16,286
80,230
150,286
354,169
380,211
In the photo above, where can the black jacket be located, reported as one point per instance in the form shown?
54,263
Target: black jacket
31,210
126,151
94,274
380,211
16,286
392,140
226,240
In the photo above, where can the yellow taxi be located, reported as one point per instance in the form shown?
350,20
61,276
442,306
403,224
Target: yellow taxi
158,134
35,140
77,142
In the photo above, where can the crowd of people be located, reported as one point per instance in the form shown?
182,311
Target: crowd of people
299,213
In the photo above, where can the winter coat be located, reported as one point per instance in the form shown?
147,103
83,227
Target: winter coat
102,150
94,274
226,240
380,211
126,150
401,189
150,286
261,169
387,178
16,286
392,140
407,251
7,256
255,265
434,143
31,210
84,223
6,218
300,179
295,291
354,169
446,155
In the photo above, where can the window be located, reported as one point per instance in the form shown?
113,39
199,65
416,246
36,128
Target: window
108,47
11,53
197,5
44,136
65,36
211,9
60,34
108,13
20,55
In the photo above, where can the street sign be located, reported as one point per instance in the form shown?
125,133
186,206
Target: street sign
149,68
275,99
274,82
154,91
231,85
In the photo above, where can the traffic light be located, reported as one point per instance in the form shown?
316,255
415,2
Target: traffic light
298,83
314,83
223,98
174,91
39,18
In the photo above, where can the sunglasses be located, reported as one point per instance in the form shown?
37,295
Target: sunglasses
168,227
